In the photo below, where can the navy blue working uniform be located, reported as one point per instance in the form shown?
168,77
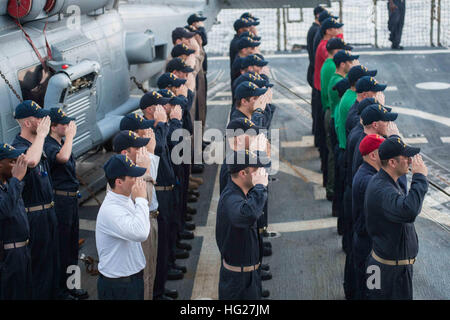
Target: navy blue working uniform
15,263
390,216
44,240
165,183
166,178
309,46
396,22
234,49
64,180
237,239
361,244
352,118
235,68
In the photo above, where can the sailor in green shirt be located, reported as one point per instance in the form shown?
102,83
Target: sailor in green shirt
343,60
348,99
329,68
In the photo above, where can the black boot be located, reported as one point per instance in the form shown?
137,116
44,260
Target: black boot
184,245
266,275
178,267
190,210
186,235
174,274
189,226
181,254
170,293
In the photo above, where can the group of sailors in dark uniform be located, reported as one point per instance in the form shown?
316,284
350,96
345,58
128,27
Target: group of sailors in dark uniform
364,163
138,244
145,216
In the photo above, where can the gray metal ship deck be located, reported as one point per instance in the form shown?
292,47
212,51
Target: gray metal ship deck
307,260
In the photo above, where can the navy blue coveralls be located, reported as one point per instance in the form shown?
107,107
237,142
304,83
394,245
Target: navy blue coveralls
390,215
64,178
262,120
177,223
237,240
309,46
44,240
235,70
15,264
361,244
234,49
166,199
396,22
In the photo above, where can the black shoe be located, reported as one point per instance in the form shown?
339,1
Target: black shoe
194,193
181,254
189,226
397,47
65,295
330,197
267,252
184,245
190,210
265,267
191,198
268,234
265,293
265,275
267,244
170,293
197,168
81,294
174,274
178,267
162,297
186,235
187,218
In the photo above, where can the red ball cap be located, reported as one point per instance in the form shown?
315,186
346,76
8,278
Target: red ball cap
370,143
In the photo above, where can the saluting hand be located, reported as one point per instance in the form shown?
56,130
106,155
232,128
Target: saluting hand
392,129
43,127
142,158
182,90
176,113
260,176
149,133
380,97
71,129
258,143
418,166
139,189
19,169
160,114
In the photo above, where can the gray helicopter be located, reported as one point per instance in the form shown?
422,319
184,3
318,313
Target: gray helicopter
81,54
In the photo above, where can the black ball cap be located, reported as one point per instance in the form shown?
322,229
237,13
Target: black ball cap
195,18
9,152
357,72
29,108
181,32
57,115
134,121
377,112
152,98
178,64
394,146
239,160
126,139
120,165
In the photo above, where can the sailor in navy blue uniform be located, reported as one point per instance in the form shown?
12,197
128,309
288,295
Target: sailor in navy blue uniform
247,46
309,43
15,258
151,104
241,25
361,243
38,200
65,184
240,205
390,215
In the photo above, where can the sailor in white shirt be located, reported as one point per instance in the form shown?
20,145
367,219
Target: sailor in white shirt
141,150
122,224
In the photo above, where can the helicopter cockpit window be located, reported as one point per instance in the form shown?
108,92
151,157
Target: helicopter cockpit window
33,83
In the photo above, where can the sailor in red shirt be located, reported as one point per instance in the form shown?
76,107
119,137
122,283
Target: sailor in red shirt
329,28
